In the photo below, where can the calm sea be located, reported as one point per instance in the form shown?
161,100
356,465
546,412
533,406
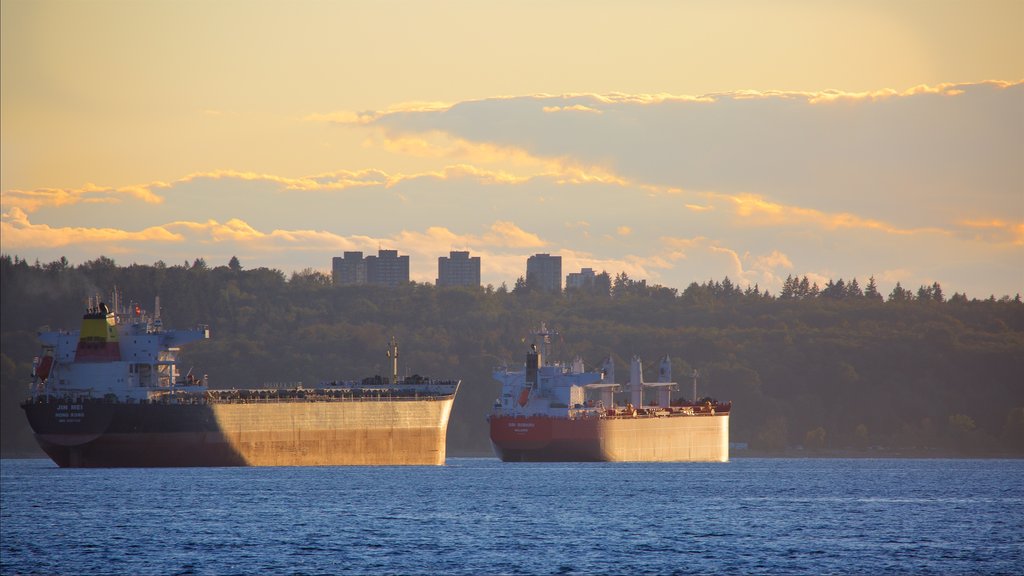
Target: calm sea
480,516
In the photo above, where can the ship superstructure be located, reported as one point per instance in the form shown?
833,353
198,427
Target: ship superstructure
113,394
550,411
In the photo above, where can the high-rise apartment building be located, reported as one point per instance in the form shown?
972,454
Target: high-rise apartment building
349,270
544,272
458,269
582,279
387,268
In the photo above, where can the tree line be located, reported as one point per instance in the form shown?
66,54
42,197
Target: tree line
825,370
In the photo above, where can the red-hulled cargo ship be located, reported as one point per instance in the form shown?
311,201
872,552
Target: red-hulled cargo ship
556,412
111,395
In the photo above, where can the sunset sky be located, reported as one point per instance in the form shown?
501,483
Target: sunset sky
675,141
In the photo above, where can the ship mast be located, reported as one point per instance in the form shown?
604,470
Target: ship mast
393,355
545,341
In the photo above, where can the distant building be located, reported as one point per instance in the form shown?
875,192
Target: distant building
387,268
458,269
587,281
544,272
349,270
582,279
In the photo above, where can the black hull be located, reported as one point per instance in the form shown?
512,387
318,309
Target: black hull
110,435
143,451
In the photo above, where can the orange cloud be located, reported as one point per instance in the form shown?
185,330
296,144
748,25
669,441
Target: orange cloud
19,233
32,200
755,209
508,234
774,260
827,96
364,118
573,108
996,230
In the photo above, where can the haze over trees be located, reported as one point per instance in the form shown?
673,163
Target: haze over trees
826,369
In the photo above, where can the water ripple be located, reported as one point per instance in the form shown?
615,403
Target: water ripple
480,516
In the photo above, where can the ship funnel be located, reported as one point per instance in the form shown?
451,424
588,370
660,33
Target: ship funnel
577,365
665,370
608,369
636,382
533,363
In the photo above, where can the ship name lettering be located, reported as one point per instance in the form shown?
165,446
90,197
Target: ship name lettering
69,413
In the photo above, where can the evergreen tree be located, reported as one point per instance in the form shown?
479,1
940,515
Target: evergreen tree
789,288
871,292
804,288
840,289
830,290
727,288
521,286
900,294
853,289
924,294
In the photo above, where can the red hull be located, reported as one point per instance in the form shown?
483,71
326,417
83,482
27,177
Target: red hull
522,439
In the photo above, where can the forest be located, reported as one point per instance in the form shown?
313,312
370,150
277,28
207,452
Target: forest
814,370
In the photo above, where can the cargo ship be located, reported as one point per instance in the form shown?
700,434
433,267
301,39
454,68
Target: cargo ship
554,412
112,394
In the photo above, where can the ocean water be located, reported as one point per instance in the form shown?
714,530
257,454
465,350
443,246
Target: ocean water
481,516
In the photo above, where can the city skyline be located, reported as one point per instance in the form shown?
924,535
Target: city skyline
675,142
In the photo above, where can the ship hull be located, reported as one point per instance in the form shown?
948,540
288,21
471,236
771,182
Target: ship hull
279,433
678,438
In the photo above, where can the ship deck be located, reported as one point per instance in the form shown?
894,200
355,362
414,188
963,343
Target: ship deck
249,396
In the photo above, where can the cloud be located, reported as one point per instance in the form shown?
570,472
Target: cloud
698,207
19,233
756,210
508,234
510,162
439,239
767,269
368,117
32,200
867,154
763,270
635,266
996,230
573,108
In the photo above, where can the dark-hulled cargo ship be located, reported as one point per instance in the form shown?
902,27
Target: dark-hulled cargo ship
550,411
111,395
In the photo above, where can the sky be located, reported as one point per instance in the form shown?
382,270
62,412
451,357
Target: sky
673,141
